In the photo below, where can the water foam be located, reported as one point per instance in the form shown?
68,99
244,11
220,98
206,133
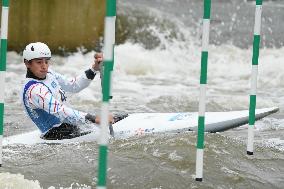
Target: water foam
174,72
17,181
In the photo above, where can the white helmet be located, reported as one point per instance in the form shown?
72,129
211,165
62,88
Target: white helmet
36,50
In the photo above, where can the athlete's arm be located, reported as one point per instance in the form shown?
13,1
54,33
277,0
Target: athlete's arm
76,84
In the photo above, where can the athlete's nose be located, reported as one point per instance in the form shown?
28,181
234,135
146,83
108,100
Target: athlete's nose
44,64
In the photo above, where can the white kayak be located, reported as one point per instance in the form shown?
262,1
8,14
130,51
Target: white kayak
138,124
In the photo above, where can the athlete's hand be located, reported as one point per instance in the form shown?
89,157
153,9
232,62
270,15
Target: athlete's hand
110,119
98,60
97,119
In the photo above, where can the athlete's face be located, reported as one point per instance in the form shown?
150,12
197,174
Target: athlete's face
39,67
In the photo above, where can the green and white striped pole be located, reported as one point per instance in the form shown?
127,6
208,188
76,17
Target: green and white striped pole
3,55
254,72
202,98
109,39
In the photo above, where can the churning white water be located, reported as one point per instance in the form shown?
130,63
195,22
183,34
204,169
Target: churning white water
164,78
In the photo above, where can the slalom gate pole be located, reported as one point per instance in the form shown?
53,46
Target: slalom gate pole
202,98
3,55
109,34
254,72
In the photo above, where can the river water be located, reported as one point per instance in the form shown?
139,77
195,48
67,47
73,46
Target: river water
157,67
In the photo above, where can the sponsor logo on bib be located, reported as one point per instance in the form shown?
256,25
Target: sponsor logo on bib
53,84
